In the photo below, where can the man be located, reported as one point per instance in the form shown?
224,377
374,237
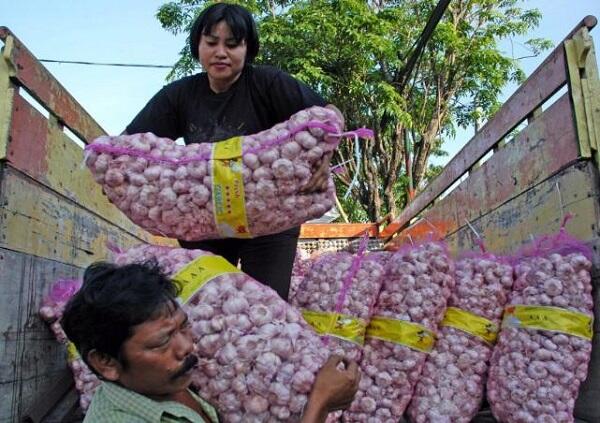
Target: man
129,329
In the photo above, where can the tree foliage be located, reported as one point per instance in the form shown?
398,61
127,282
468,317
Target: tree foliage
353,53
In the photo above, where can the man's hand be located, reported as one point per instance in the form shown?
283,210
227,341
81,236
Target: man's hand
320,178
334,389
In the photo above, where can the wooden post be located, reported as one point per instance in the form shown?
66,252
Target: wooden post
585,92
7,92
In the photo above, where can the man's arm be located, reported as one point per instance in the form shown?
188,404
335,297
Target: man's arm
334,389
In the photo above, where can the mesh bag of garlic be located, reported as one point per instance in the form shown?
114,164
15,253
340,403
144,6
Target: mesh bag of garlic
451,386
544,345
242,187
417,282
257,356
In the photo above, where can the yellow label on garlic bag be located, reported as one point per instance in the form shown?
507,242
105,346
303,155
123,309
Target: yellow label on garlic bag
339,325
401,332
198,272
471,323
229,204
72,353
549,318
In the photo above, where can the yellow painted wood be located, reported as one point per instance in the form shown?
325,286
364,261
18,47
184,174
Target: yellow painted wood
590,84
7,91
37,221
585,92
577,98
539,151
538,211
67,175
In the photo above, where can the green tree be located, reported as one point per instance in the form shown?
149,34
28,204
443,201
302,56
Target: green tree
353,53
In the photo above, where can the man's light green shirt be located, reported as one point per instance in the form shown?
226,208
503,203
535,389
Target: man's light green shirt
113,403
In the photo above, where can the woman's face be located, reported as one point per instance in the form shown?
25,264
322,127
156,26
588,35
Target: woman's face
221,56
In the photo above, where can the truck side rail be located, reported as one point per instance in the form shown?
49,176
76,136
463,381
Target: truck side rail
525,104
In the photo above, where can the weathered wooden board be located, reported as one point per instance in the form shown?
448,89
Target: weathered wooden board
337,230
39,148
538,211
548,78
541,85
30,358
544,147
585,88
7,92
40,83
37,221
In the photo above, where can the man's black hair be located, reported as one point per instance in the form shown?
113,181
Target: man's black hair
239,20
112,300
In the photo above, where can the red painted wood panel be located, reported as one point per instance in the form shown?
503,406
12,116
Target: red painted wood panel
421,231
337,230
27,148
42,85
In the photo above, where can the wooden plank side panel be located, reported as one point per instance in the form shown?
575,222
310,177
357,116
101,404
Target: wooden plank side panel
421,231
28,140
538,211
540,150
45,88
540,86
39,148
337,230
30,358
34,220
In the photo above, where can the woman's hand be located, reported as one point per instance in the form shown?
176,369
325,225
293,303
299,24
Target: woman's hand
320,178
334,389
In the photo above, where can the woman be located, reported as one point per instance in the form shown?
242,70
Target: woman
232,97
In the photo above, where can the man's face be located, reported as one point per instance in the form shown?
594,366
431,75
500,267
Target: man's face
159,355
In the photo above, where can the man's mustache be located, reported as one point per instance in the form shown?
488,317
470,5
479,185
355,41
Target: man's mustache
188,364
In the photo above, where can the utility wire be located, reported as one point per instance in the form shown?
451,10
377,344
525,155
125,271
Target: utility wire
127,65
434,18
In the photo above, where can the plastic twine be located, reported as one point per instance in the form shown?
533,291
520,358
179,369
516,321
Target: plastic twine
356,261
357,155
133,152
347,281
478,240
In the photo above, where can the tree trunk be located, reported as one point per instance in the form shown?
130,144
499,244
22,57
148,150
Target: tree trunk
395,165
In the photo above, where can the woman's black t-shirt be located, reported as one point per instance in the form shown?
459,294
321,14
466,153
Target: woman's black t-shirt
261,97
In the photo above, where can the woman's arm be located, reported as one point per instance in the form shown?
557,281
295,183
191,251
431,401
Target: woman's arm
160,115
334,389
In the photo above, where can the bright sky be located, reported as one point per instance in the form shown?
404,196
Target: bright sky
127,31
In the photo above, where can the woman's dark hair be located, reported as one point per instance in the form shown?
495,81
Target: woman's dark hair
239,20
112,300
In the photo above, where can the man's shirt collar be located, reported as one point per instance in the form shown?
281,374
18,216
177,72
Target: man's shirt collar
129,402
